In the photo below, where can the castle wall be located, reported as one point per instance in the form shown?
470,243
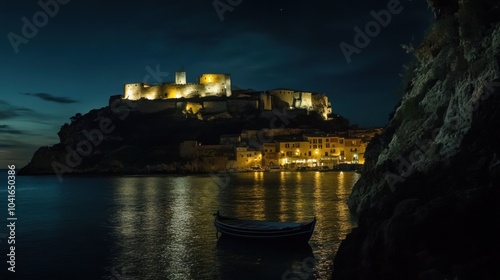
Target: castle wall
212,79
287,96
217,89
216,84
179,91
266,101
228,85
304,100
132,91
151,92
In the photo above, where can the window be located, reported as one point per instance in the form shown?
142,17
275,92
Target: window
320,141
341,141
327,145
326,154
320,146
287,145
315,146
327,140
289,154
309,153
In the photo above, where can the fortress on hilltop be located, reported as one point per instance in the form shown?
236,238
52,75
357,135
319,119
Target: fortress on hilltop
212,94
208,85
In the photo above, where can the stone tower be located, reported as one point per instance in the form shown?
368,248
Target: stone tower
180,77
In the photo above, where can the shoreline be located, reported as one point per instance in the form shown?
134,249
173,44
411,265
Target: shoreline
159,174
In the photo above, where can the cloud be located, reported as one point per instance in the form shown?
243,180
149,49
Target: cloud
9,130
12,112
9,111
52,98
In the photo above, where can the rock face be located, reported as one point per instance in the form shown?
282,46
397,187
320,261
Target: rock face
428,201
116,140
123,140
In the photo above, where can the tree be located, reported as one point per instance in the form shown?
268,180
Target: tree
75,117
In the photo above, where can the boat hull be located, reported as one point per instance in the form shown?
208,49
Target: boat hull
264,231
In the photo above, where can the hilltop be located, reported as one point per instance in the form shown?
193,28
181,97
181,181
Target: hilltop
124,139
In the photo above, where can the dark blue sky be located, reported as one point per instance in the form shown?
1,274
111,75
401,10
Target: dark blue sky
87,50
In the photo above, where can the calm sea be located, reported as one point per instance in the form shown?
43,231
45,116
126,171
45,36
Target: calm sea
137,227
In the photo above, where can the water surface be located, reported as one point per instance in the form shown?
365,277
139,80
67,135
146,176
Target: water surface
138,227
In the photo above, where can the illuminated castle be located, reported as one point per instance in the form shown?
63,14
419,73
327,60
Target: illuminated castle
190,98
208,85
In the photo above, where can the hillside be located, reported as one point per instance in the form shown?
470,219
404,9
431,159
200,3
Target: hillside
124,141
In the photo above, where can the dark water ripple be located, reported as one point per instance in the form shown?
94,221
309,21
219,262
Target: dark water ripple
162,227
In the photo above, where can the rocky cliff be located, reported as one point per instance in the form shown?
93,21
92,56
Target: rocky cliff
124,140
428,200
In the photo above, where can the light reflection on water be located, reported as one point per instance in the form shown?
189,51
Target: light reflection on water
162,227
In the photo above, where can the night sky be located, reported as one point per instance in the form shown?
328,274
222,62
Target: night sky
86,50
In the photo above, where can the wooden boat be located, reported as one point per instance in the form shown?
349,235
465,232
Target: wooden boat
264,230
